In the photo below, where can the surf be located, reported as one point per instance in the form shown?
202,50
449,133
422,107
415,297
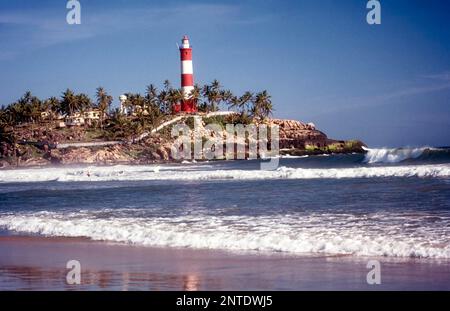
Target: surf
398,155
159,173
367,235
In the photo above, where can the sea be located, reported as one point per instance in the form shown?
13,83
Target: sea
387,202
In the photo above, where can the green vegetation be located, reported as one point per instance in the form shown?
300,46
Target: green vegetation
351,144
334,147
310,148
147,111
33,119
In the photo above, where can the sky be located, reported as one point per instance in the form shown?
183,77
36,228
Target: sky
387,84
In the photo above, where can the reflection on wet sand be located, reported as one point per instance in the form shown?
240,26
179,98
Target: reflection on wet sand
35,278
35,263
191,282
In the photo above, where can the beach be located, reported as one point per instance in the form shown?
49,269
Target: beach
38,263
314,223
224,146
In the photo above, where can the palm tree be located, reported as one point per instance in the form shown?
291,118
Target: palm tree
52,105
213,94
215,84
84,102
35,109
234,102
5,119
267,109
226,97
119,126
103,103
164,98
30,108
69,103
16,110
262,107
175,96
245,101
167,85
152,100
137,104
196,94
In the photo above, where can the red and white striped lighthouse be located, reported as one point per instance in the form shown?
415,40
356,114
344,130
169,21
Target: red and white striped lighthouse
187,76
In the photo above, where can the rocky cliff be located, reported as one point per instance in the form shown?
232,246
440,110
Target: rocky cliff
296,138
297,135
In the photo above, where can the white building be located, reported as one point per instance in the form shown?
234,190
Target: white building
123,108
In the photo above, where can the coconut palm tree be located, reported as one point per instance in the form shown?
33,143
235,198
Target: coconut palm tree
16,110
175,96
246,100
35,109
69,103
262,107
137,104
119,126
226,96
84,102
103,103
30,107
196,94
5,118
52,105
152,100
167,85
234,103
213,95
164,98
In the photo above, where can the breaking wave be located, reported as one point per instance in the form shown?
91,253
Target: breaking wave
393,235
396,155
135,173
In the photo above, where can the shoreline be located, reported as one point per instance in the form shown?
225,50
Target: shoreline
38,263
294,153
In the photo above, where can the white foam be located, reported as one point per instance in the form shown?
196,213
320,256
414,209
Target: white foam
288,156
392,155
367,235
192,172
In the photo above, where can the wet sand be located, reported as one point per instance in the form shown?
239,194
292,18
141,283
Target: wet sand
39,263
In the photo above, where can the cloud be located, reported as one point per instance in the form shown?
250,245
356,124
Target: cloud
442,76
428,84
30,30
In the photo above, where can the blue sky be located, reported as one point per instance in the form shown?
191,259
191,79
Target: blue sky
387,84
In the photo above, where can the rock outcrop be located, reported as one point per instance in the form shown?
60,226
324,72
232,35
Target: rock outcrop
297,135
105,155
296,138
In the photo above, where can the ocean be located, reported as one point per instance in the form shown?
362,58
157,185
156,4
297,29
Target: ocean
388,203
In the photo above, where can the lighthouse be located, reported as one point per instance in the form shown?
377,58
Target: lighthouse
187,77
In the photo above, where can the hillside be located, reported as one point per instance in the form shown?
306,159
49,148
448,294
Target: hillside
42,145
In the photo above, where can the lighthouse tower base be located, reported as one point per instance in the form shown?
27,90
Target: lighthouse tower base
189,106
186,106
